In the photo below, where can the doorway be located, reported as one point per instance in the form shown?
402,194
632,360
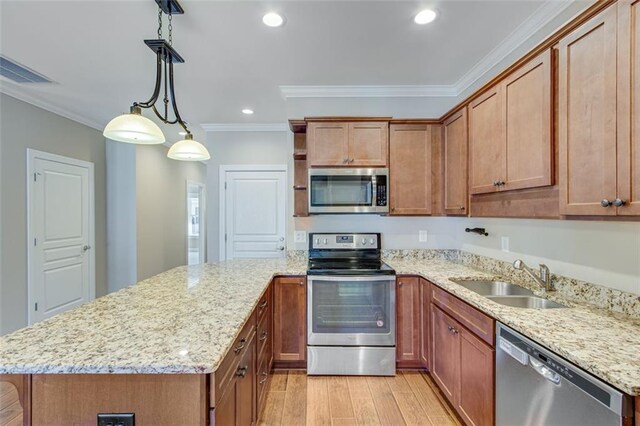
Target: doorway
253,211
195,223
61,234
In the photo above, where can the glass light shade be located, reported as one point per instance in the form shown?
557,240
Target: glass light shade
134,128
188,150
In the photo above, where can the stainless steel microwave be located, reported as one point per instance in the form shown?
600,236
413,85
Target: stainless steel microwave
347,190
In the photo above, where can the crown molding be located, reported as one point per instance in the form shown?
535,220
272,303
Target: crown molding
245,127
19,93
406,91
538,20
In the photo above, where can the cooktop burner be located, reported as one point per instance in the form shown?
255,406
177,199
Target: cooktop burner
346,254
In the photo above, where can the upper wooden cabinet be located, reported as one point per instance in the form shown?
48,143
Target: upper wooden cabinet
456,195
598,118
341,143
410,171
510,131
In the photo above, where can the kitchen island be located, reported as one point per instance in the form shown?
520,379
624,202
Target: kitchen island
169,335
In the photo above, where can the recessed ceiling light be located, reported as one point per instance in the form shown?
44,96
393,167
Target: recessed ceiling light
272,19
424,17
247,111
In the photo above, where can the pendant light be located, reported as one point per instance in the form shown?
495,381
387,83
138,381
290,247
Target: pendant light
135,128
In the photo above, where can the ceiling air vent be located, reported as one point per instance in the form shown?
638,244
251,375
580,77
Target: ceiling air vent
19,73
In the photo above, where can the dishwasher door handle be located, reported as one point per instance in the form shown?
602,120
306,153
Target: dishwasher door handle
544,371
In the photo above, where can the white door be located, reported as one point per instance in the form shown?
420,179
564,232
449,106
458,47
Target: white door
61,260
195,223
255,214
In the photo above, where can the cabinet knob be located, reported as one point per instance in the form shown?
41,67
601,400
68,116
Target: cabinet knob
264,335
301,283
242,371
605,203
461,207
400,284
619,203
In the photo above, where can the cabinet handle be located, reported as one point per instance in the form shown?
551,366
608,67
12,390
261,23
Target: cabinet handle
265,375
263,304
301,283
240,346
501,183
495,183
400,284
352,160
461,207
345,161
605,203
619,203
263,335
242,371
452,329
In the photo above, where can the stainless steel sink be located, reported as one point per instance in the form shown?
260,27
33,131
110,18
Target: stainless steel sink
494,288
530,302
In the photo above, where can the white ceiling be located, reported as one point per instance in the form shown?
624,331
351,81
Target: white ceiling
94,51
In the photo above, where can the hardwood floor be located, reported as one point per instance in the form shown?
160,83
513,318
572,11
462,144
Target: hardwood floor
410,398
10,408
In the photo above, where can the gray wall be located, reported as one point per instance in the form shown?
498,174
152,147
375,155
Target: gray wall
161,188
25,126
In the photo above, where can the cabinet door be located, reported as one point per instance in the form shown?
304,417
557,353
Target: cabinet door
487,144
476,390
410,169
456,162
425,317
225,411
445,353
587,116
408,321
246,387
368,144
290,319
629,106
527,104
327,144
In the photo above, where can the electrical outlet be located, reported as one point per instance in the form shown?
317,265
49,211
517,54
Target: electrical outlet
423,236
116,419
505,243
300,236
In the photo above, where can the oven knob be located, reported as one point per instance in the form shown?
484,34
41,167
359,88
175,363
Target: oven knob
364,242
317,241
325,241
372,241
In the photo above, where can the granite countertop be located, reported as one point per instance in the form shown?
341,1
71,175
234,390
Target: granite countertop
186,319
603,343
180,321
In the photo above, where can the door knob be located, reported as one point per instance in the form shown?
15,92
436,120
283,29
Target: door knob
280,248
605,203
618,202
85,248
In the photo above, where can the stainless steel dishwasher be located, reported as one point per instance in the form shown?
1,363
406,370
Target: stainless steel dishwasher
537,387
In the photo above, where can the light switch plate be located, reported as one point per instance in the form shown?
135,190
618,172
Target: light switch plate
423,236
300,236
505,243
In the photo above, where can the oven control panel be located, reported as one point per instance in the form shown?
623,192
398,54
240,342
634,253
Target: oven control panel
344,241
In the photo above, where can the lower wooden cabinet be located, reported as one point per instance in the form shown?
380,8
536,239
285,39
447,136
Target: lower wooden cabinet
408,328
290,322
463,367
425,318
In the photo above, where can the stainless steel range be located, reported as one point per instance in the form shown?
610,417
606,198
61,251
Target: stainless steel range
351,304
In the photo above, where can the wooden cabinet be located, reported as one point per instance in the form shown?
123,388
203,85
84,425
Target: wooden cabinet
264,342
628,143
462,357
408,322
237,404
510,131
425,317
456,194
289,317
343,143
587,116
410,157
487,145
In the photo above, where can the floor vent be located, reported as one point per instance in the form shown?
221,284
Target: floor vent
19,73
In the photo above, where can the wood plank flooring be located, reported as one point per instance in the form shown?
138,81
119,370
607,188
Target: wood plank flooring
10,408
410,398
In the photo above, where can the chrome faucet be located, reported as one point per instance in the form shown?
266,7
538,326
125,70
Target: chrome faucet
545,275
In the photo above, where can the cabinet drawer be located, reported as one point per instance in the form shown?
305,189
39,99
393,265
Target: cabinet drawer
265,304
264,337
480,324
227,371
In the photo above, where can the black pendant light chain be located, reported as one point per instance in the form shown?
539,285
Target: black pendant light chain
166,56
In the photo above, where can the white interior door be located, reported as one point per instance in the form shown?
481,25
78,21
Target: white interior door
195,223
61,222
255,214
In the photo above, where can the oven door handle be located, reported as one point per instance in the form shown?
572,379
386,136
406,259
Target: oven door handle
358,278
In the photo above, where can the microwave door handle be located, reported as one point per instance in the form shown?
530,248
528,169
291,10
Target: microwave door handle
374,189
